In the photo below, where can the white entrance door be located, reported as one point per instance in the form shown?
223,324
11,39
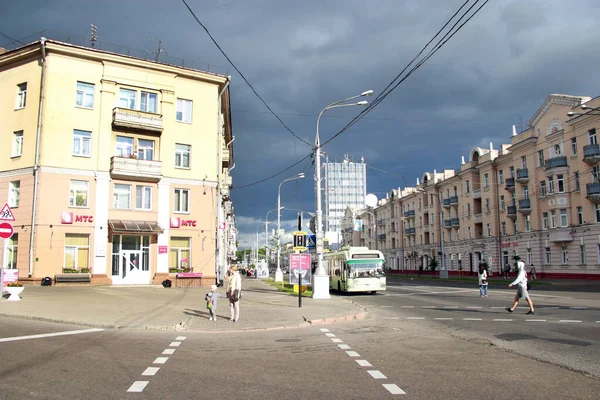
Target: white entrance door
130,268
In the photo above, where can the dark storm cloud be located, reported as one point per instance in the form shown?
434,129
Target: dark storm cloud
301,56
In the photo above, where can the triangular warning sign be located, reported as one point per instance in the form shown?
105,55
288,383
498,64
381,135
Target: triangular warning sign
6,213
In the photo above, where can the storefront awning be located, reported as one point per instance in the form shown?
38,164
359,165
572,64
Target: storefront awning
123,226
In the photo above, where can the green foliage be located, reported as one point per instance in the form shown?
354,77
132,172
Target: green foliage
433,264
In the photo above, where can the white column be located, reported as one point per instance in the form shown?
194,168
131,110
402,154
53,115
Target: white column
101,223
164,212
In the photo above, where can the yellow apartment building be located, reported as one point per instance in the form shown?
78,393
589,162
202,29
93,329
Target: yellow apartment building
536,198
113,165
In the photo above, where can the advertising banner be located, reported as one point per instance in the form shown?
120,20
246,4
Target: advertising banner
300,266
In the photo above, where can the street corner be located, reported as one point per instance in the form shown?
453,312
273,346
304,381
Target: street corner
338,319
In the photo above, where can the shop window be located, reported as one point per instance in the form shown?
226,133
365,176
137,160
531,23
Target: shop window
179,253
77,252
12,251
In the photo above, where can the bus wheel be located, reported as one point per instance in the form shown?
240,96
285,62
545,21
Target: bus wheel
339,287
373,291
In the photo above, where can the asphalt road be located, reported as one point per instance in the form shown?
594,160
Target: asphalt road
400,350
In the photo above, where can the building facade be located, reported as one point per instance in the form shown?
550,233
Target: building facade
535,199
114,166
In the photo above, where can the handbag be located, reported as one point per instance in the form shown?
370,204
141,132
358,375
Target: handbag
528,286
484,281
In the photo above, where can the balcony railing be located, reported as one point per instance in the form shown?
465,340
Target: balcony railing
511,212
522,175
447,203
134,119
510,184
556,162
455,222
525,206
477,194
381,236
561,235
478,218
448,223
409,214
410,231
454,200
593,192
133,168
591,153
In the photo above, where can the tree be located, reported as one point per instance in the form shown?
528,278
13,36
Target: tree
433,264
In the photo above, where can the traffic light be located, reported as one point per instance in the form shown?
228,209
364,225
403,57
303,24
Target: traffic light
299,241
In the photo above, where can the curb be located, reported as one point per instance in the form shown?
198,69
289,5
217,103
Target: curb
336,320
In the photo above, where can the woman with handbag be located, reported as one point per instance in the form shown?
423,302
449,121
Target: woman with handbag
234,288
483,283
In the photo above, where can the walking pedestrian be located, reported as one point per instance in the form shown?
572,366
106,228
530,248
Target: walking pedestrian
522,293
234,289
211,302
532,273
507,271
483,283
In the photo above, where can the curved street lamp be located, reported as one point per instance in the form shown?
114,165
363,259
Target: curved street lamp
279,273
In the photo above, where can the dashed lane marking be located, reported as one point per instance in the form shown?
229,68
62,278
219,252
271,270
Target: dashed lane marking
46,335
138,386
180,338
427,306
377,374
451,307
160,360
502,319
330,335
337,340
150,371
175,344
387,306
390,317
408,306
324,330
472,319
352,353
444,319
344,346
393,388
363,363
535,320
168,351
474,307
415,317
569,320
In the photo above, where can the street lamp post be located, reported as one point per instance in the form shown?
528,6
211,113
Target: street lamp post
279,273
320,277
267,230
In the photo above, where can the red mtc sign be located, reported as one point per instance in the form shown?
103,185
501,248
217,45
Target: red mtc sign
68,218
177,222
509,244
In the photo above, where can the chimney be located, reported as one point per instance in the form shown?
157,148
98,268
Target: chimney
491,147
434,176
514,130
463,160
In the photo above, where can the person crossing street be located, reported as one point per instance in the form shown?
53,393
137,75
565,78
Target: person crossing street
522,293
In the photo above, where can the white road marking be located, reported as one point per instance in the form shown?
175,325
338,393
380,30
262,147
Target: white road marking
451,307
138,386
390,317
150,371
324,330
471,319
337,340
497,307
408,306
475,307
160,360
364,363
376,374
344,346
427,306
180,338
502,319
45,335
175,344
329,335
415,317
535,320
169,351
393,388
444,319
352,354
387,306
569,320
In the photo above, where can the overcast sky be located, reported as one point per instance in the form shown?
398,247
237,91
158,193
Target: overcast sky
301,56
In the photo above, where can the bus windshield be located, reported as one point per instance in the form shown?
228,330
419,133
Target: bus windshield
366,270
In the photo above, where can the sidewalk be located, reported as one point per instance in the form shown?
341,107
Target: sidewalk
262,307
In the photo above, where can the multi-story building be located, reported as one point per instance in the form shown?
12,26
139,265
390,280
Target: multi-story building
113,165
536,199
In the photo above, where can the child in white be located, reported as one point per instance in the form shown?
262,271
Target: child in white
483,284
522,293
211,302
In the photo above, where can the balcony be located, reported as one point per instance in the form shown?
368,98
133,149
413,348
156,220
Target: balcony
381,222
381,236
409,214
510,184
225,157
140,120
478,218
410,231
455,222
133,168
593,192
447,203
591,153
561,235
522,175
448,224
454,200
477,194
228,180
556,163
511,212
426,228
525,206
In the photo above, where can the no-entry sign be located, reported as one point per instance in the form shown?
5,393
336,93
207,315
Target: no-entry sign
6,230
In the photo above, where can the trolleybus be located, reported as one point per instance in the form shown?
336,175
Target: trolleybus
355,269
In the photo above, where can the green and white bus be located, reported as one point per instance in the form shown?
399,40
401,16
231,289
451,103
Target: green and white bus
355,269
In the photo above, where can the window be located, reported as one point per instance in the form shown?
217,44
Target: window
582,254
548,258
458,234
595,174
182,200
78,194
557,150
489,230
500,176
592,136
515,227
576,179
179,253
544,220
17,145
182,155
468,210
143,198
184,110
469,232
528,223
127,98
553,219
503,229
528,257
81,143
541,162
21,95
523,162
12,251
597,212
124,146
487,205
564,219
122,196
551,185
574,146
145,149
84,95
564,256
560,183
580,215
468,187
148,102
525,191
77,251
502,205
543,189
14,193
486,181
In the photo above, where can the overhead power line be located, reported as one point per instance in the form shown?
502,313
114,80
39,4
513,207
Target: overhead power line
242,75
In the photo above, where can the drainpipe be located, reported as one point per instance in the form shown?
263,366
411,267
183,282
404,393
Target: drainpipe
219,269
37,157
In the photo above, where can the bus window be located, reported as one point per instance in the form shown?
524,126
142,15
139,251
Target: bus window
367,270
